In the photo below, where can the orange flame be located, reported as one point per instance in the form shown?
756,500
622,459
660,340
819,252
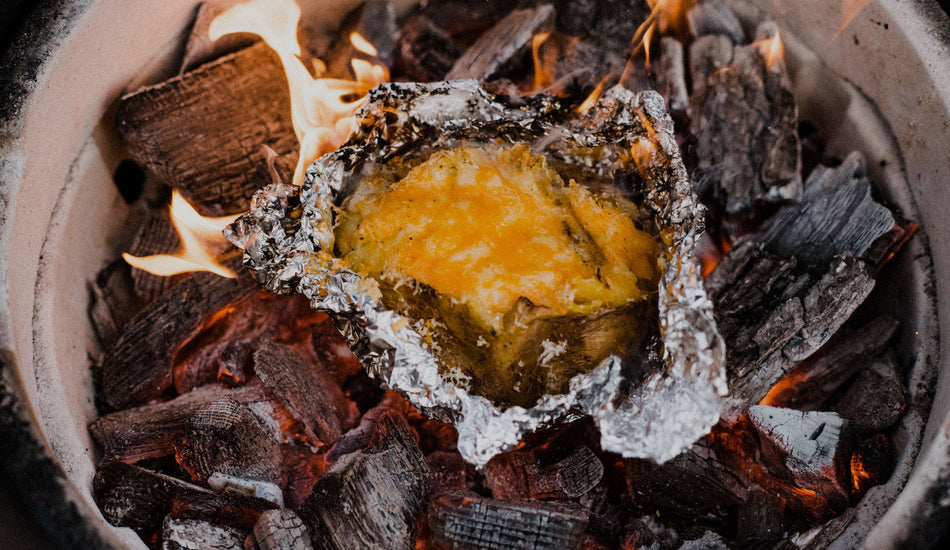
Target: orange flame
785,389
772,50
861,479
543,76
321,113
194,231
591,100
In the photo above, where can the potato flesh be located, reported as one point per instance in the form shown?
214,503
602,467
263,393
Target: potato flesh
485,226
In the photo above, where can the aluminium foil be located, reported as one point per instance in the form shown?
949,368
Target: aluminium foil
289,241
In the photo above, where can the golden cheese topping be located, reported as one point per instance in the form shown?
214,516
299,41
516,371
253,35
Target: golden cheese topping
485,226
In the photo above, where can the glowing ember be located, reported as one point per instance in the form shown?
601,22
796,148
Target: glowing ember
772,49
322,115
860,477
195,231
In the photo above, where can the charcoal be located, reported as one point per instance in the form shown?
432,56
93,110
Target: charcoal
506,474
814,448
303,468
306,390
200,49
571,477
447,473
876,399
375,22
331,349
578,473
245,94
360,437
424,53
836,215
503,45
464,19
715,17
281,530
140,499
138,368
463,520
638,536
228,437
264,490
746,128
371,498
190,534
812,382
671,76
709,541
760,518
616,23
114,302
152,430
708,55
580,65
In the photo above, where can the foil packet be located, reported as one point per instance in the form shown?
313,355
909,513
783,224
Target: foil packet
288,238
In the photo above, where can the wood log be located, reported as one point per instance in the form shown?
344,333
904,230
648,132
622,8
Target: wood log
463,520
812,382
813,447
114,302
760,519
227,437
671,76
876,399
375,22
200,49
281,530
715,17
138,368
151,431
499,48
746,128
424,52
190,534
140,499
234,105
371,498
305,389
155,235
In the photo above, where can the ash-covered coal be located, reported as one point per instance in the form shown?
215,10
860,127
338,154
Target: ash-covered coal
644,408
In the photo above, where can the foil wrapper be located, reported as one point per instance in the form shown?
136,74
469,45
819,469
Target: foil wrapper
289,241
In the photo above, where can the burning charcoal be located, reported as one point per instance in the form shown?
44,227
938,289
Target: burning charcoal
375,22
506,475
814,448
836,215
877,397
155,235
447,473
715,17
578,473
746,128
139,365
190,534
463,18
760,518
809,385
113,302
306,390
671,77
503,44
639,536
331,349
134,497
216,173
281,530
151,431
370,498
463,520
228,437
200,48
424,53
569,478
360,437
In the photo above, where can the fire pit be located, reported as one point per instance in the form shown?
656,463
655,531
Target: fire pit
55,239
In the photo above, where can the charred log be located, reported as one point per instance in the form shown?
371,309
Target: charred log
189,534
281,530
760,519
200,49
715,17
114,302
881,380
671,77
425,52
464,19
447,473
155,235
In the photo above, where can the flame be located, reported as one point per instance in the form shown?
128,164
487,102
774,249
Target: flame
785,389
543,76
321,112
772,50
861,479
591,100
194,231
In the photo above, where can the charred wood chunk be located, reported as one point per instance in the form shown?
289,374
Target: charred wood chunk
715,17
812,382
375,22
760,518
708,55
504,45
425,52
306,390
200,49
155,235
579,64
139,365
228,437
463,520
709,541
190,534
813,447
140,499
447,473
246,97
114,302
281,530
464,19
671,77
152,431
361,436
876,398
836,215
746,128
578,473
371,498
506,475
616,23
